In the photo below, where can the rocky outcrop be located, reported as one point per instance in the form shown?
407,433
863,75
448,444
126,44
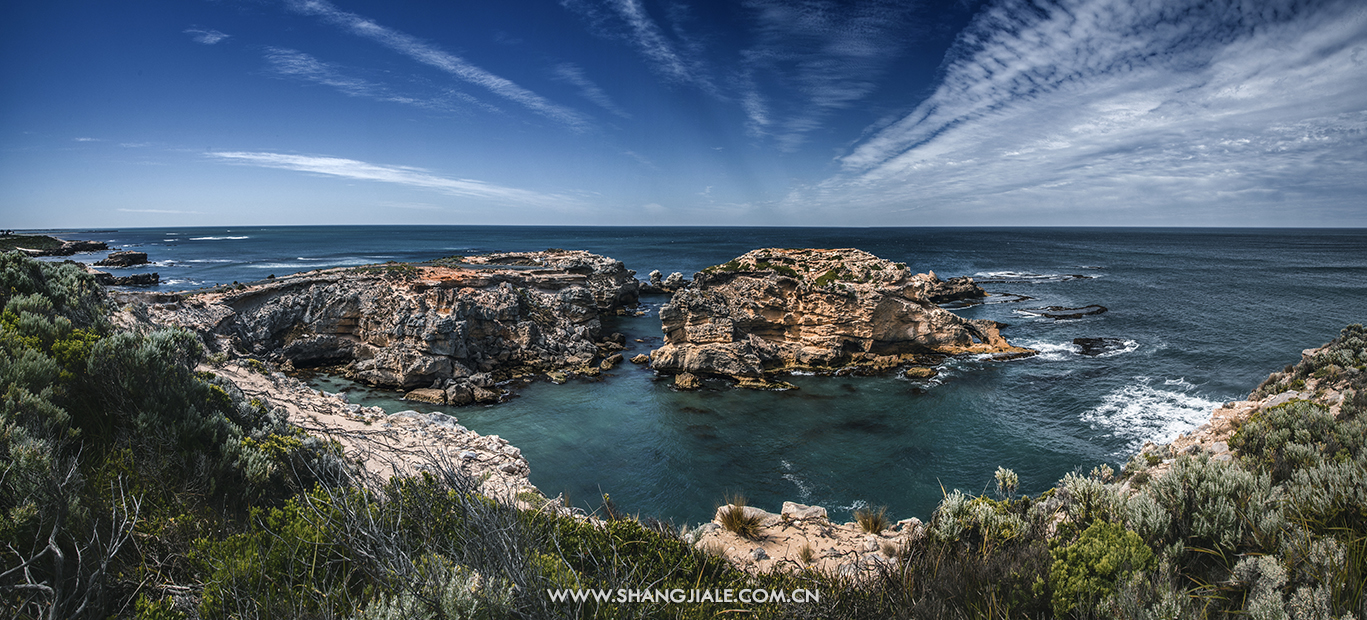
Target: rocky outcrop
659,285
774,310
457,326
954,289
123,259
109,279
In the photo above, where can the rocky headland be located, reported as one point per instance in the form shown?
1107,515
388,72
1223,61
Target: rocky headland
449,332
773,311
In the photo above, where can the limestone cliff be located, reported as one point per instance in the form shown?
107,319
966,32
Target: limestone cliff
455,327
776,310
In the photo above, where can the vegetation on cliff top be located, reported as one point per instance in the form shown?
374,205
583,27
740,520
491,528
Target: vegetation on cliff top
133,486
9,243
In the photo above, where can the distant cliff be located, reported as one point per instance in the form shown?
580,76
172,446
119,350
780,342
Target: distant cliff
453,328
777,310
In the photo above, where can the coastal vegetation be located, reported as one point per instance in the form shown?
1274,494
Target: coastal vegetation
134,486
9,243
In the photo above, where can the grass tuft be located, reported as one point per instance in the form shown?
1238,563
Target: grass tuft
872,521
737,521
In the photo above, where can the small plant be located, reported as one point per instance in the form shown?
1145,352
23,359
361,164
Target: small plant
257,366
872,521
738,521
1007,482
826,278
890,548
806,553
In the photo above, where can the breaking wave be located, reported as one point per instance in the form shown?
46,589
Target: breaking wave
1148,410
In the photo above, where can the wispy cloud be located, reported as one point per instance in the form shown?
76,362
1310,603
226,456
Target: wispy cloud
432,56
299,65
401,175
207,37
88,140
818,57
573,74
629,20
1084,108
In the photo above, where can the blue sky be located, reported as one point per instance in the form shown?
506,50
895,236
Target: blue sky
754,112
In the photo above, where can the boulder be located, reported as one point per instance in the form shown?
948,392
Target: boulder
484,396
459,395
640,358
611,361
686,381
802,512
427,395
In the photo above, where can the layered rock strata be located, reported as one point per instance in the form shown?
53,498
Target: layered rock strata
774,310
457,327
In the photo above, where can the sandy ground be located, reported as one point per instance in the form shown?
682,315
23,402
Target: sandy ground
835,548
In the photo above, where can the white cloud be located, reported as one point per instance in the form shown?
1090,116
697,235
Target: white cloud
207,37
430,55
1174,112
817,57
299,65
676,61
401,175
573,74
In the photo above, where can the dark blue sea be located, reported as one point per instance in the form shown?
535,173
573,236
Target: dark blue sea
1200,316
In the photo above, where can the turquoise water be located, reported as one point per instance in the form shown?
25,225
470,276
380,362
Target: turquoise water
1204,315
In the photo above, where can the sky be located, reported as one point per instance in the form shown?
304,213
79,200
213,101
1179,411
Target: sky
650,112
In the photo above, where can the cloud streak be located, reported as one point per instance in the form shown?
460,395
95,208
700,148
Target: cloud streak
629,20
400,175
818,57
573,74
432,56
299,65
1109,106
206,37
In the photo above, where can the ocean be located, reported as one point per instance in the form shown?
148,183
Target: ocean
1198,317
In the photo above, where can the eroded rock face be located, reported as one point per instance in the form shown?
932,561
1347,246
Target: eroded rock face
123,259
457,328
775,310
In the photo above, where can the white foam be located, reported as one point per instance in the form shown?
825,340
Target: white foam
345,262
1141,412
803,489
216,238
209,260
858,504
1052,351
1130,347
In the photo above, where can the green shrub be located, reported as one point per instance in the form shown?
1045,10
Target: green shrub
1298,435
1090,569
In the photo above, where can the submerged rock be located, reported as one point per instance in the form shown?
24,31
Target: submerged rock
1097,346
773,310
